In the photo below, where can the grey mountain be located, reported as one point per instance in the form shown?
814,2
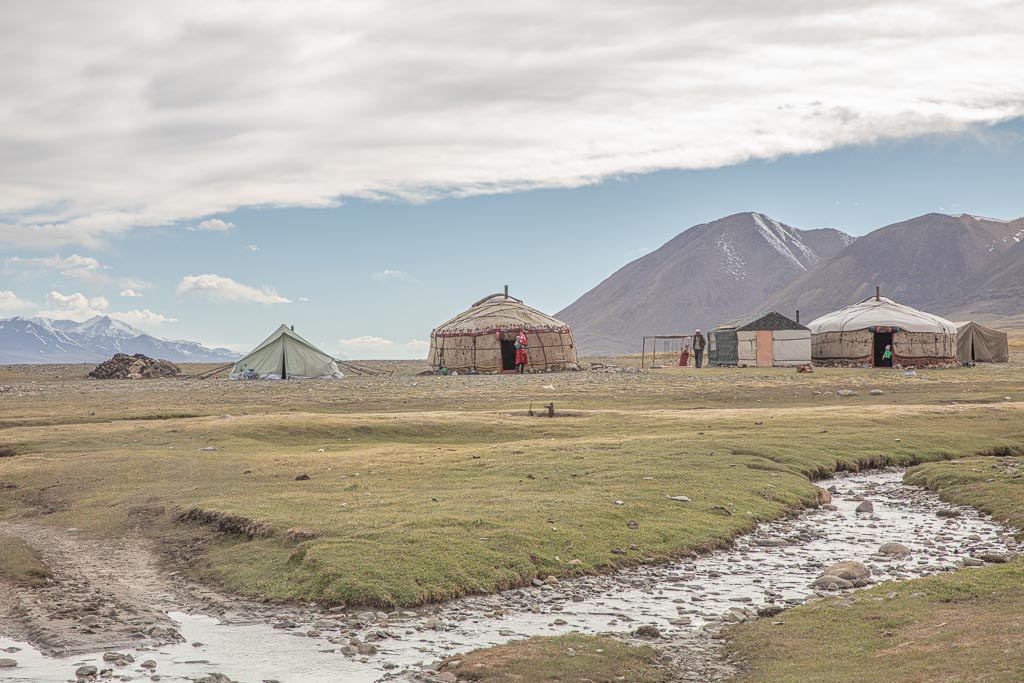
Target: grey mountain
708,274
41,340
935,262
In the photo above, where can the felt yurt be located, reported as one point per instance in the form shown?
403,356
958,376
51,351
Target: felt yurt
286,355
761,340
857,336
482,339
979,344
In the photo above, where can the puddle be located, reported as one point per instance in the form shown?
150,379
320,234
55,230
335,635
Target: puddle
699,592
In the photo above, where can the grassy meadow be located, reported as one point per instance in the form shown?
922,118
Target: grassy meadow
426,488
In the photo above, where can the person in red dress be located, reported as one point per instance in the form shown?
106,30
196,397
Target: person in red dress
522,352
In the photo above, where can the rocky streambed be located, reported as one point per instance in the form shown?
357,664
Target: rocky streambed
680,607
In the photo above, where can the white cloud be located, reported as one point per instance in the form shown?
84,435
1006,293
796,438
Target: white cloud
221,288
175,111
212,225
252,247
11,303
77,306
143,318
303,298
390,274
82,267
379,348
130,293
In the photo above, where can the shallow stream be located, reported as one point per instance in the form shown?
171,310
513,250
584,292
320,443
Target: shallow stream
776,564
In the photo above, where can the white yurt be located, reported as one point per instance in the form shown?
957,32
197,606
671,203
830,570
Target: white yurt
856,336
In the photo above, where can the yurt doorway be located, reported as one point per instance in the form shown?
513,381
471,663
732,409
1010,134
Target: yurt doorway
508,354
882,339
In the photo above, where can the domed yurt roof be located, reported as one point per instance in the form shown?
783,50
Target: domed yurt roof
878,311
496,313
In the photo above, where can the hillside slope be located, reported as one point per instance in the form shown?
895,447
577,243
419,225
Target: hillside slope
706,275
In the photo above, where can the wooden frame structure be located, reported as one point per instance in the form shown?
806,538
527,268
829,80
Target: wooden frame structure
654,346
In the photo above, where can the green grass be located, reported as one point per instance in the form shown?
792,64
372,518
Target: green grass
417,507
546,660
20,563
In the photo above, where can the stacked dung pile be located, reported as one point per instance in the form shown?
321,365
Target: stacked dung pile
139,366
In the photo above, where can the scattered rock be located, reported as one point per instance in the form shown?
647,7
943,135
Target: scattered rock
86,671
846,392
8,663
681,499
876,392
865,507
302,477
947,513
647,632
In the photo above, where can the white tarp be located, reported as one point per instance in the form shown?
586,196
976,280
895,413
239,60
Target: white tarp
882,312
285,354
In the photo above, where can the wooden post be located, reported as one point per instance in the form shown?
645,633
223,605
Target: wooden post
643,352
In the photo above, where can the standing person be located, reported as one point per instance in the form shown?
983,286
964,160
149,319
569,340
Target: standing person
887,356
522,352
699,342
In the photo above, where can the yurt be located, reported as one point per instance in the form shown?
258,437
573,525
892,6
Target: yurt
761,340
286,355
979,344
856,336
482,339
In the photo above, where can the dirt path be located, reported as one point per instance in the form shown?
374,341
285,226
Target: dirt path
104,594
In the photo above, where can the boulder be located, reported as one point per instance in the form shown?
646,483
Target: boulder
86,671
829,580
865,507
894,550
849,570
7,663
824,497
994,558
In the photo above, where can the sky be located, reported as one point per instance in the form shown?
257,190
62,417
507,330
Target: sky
366,170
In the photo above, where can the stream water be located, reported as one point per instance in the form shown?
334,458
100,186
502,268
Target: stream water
776,564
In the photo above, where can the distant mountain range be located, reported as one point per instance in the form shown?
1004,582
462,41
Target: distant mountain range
714,272
41,340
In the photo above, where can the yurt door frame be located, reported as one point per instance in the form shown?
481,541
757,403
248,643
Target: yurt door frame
882,337
508,354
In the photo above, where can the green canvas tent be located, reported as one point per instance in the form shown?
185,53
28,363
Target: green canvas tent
286,355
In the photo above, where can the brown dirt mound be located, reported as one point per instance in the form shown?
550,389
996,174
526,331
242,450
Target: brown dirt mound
139,366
